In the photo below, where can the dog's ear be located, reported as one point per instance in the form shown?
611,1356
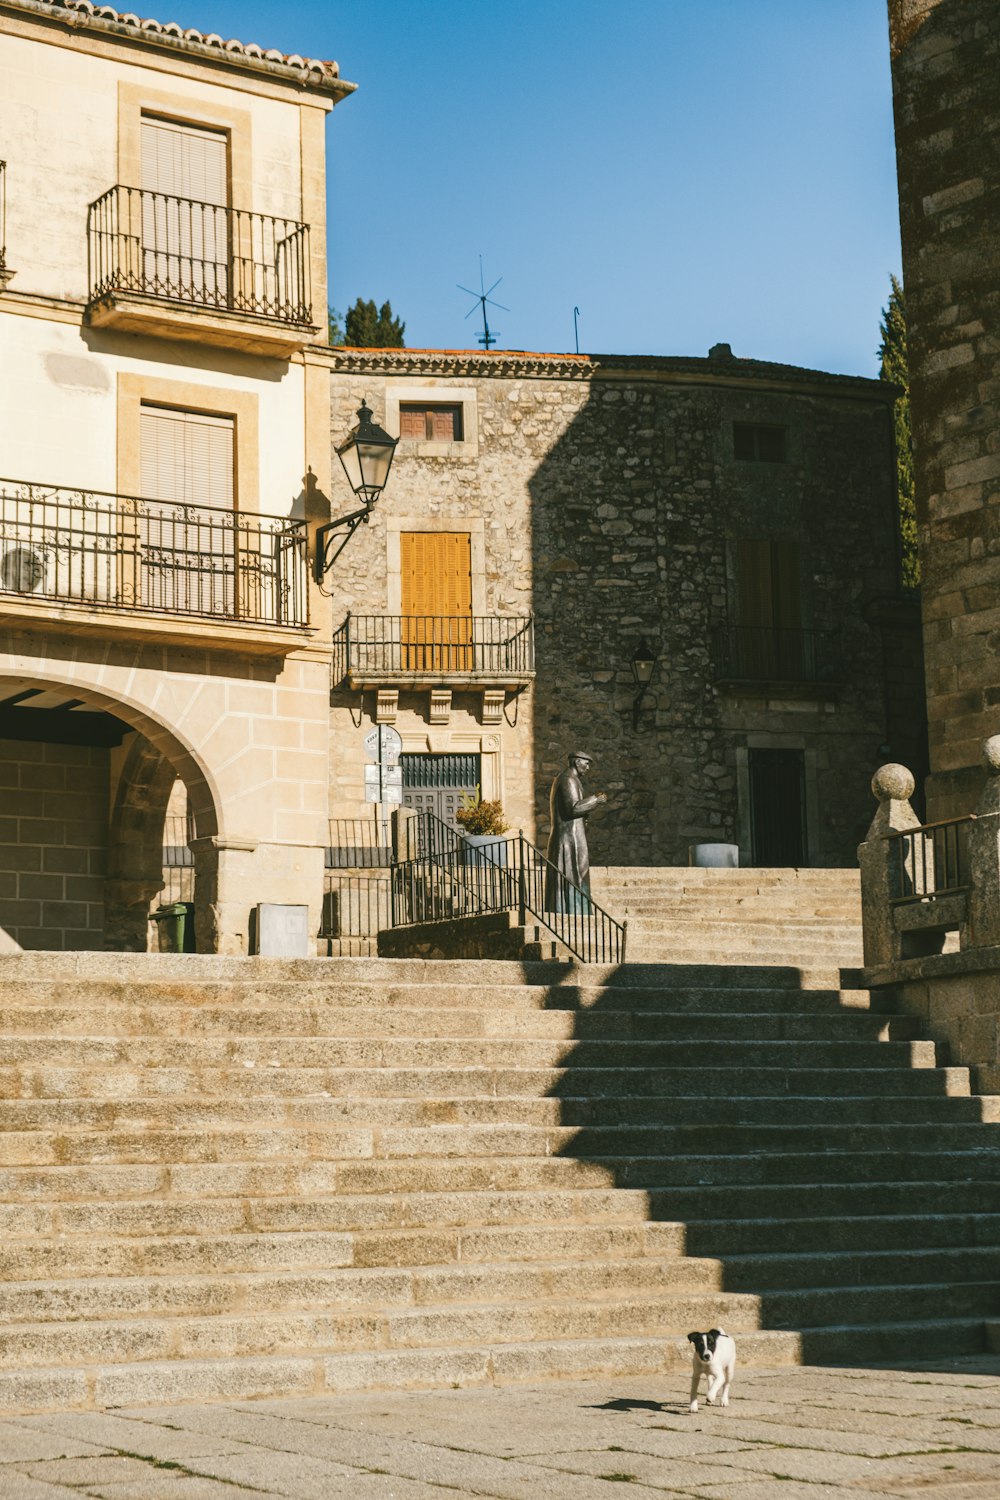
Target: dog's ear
692,1337
715,1333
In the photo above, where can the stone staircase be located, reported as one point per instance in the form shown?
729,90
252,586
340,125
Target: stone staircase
226,1178
677,914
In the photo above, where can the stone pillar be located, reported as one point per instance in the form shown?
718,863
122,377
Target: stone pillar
126,914
232,875
404,834
984,855
880,860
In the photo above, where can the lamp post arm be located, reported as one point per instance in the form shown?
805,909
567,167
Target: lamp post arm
326,535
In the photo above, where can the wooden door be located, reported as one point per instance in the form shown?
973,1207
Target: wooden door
436,629
778,807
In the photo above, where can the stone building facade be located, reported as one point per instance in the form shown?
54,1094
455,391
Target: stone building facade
946,82
737,516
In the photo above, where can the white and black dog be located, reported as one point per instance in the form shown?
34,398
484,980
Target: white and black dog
714,1355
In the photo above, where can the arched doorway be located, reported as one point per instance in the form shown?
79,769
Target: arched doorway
87,780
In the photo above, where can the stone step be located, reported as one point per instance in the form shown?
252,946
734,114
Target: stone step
413,1024
75,1258
715,1203
68,1388
387,1056
442,1084
498,1008
196,978
736,1120
359,1289
897,1234
480,1226
871,1267
69,1124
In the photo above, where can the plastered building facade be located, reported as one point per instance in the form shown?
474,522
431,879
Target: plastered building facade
164,288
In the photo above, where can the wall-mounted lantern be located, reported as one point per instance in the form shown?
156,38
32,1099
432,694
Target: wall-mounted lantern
366,456
643,665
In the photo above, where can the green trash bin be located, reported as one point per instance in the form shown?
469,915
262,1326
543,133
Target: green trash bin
175,924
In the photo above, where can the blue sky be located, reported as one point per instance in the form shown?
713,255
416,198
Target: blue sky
683,171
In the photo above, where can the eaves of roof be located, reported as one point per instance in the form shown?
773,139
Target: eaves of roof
307,72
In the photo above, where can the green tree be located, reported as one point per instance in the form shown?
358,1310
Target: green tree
366,328
893,366
335,327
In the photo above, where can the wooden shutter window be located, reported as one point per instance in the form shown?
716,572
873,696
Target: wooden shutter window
436,568
185,161
187,457
432,422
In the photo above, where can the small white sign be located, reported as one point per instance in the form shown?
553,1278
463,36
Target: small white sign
383,743
392,776
393,794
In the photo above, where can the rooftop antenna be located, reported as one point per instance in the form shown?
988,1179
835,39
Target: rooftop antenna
486,338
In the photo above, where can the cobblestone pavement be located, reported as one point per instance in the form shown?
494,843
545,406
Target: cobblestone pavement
792,1434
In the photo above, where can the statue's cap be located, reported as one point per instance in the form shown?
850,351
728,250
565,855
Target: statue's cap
581,755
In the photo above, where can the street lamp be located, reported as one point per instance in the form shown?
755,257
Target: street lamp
366,456
643,665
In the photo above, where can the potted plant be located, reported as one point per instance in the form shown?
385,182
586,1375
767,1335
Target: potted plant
483,826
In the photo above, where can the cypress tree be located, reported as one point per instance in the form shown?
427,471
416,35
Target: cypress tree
893,366
366,327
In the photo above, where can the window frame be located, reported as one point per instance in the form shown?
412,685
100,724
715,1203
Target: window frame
755,429
466,447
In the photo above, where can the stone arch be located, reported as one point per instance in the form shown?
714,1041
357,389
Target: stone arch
152,764
203,793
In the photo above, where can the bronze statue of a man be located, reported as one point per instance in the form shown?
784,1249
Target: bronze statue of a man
567,848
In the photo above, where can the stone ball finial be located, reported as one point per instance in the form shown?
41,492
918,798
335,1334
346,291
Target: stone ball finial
893,783
990,755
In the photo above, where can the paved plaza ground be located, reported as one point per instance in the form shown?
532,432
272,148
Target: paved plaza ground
793,1434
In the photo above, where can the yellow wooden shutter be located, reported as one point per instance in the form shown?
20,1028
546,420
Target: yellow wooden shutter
436,569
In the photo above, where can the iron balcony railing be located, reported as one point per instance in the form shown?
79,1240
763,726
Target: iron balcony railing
481,647
930,861
764,653
202,254
3,216
122,552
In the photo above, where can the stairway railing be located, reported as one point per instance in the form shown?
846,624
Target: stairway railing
452,878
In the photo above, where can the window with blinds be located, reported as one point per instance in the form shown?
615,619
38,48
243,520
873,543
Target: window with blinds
189,556
436,569
185,230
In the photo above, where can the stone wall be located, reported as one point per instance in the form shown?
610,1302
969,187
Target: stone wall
53,843
609,503
946,78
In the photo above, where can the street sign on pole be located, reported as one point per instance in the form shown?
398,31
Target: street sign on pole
383,744
384,775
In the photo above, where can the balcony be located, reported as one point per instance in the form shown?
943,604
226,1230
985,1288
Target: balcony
761,658
431,651
182,269
69,559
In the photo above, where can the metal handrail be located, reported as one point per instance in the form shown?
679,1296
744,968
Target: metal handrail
205,254
111,551
509,874
930,860
770,653
480,646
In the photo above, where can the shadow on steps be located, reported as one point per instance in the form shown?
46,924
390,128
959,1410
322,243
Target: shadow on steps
815,1146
